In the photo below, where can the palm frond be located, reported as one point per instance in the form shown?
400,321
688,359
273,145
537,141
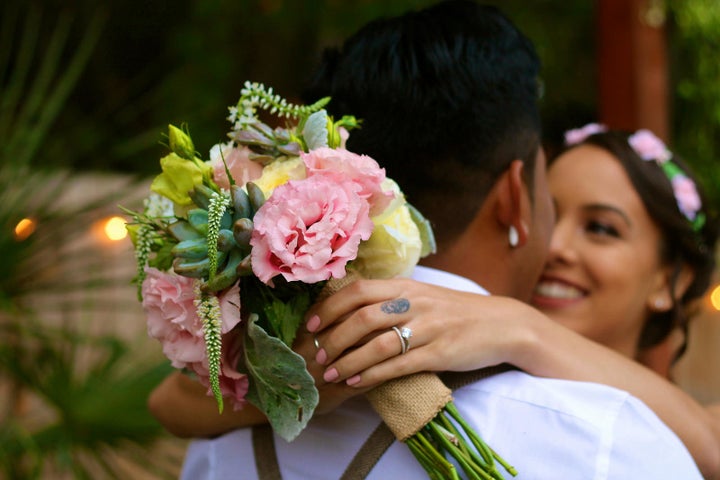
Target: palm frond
76,385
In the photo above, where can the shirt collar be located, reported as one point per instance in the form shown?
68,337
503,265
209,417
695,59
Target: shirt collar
447,280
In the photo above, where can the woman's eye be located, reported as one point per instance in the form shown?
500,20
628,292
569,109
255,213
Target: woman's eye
600,228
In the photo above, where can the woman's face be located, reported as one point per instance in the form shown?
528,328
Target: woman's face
603,273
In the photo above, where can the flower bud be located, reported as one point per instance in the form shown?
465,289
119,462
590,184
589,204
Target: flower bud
181,143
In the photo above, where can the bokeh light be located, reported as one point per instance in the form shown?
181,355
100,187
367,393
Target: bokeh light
715,297
24,229
114,228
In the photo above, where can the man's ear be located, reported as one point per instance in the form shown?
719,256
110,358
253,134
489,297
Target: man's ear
513,202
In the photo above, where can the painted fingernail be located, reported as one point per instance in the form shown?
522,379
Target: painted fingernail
313,323
321,356
330,375
354,380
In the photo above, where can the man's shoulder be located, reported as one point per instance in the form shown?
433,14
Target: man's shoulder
580,399
589,420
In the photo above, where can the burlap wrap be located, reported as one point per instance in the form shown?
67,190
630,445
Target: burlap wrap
405,404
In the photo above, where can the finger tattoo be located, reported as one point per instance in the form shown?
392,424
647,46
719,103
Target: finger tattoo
398,305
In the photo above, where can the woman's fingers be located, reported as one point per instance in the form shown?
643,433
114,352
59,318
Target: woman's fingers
384,346
413,361
359,328
351,298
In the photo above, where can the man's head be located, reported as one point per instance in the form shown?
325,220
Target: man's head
448,97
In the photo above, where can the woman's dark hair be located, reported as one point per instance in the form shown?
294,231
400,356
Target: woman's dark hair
683,245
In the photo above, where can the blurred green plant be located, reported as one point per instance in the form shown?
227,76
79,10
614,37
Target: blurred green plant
695,46
75,399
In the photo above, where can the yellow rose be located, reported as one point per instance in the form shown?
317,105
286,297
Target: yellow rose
179,177
280,172
394,246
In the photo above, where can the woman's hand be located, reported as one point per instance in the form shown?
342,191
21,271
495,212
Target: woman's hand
331,394
451,330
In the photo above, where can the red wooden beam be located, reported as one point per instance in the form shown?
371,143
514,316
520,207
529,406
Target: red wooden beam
633,66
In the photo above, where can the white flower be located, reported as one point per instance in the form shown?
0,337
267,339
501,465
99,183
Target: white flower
394,247
158,206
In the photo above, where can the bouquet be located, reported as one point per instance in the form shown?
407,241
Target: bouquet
233,250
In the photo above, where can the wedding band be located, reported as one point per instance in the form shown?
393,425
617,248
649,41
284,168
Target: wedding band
404,336
317,344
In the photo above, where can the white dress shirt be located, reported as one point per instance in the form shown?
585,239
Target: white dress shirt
546,428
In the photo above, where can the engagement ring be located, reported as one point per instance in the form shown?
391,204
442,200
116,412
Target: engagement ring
404,336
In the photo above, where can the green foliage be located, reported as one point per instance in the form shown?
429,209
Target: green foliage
695,43
283,390
95,407
76,400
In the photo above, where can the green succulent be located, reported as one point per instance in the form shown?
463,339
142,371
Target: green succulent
194,255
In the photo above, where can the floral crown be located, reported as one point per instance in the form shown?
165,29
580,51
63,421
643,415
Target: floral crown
650,148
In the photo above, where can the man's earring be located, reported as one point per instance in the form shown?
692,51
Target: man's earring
513,237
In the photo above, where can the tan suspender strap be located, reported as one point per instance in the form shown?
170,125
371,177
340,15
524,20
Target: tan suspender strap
455,380
374,447
369,454
381,439
266,460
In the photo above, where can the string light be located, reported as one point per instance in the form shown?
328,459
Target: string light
24,229
114,228
715,298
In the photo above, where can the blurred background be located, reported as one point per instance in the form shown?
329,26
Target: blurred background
86,92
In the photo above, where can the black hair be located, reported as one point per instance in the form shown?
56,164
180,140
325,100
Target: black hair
682,243
447,96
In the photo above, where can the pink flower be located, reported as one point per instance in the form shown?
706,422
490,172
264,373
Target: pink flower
578,135
169,304
360,169
309,229
686,195
238,161
233,384
648,146
344,135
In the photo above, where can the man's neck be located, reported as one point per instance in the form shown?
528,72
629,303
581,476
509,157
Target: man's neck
481,268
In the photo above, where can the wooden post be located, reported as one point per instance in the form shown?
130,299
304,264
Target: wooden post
633,66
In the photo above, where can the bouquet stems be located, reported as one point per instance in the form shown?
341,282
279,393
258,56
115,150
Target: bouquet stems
441,436
419,411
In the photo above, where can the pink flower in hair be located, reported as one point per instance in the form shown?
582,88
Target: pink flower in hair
649,147
686,195
578,135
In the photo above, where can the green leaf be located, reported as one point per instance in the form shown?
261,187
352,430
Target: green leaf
315,131
280,385
426,232
285,317
163,257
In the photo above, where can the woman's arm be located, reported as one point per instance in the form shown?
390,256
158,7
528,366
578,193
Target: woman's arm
460,331
451,331
182,406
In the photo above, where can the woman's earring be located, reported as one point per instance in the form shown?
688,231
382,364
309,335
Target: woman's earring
659,303
513,236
